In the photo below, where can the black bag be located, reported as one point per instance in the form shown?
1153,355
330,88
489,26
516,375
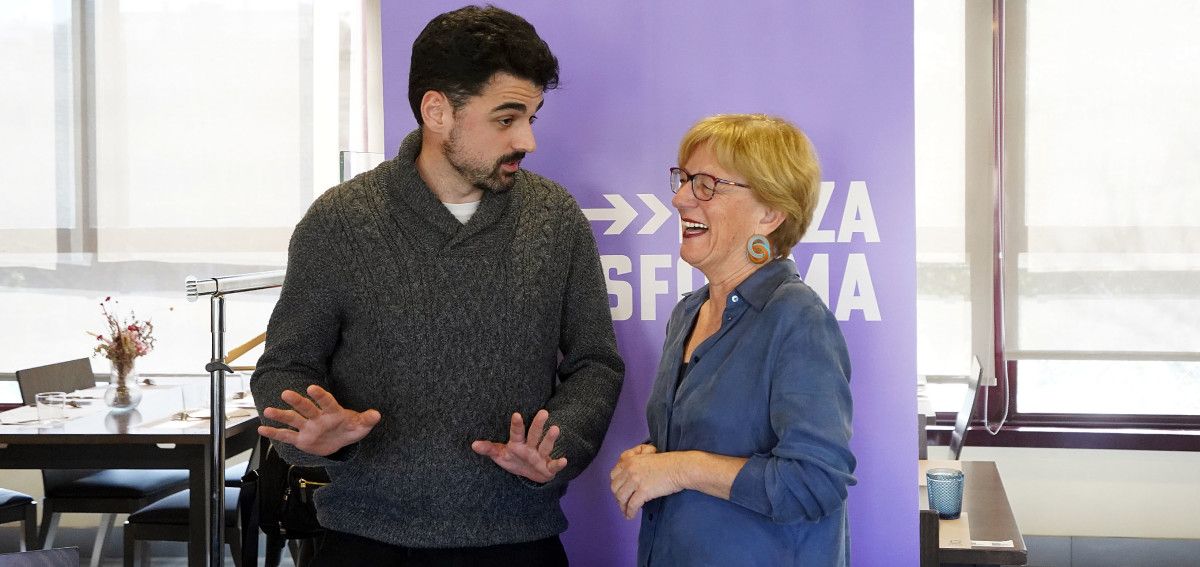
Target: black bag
285,497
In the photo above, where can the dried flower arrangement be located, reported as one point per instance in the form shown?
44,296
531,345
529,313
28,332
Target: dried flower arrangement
124,340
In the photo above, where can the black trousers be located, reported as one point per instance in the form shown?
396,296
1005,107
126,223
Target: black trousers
337,549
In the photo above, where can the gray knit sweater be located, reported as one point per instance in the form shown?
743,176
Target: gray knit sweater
446,329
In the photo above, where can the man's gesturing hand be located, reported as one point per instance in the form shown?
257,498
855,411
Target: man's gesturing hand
320,426
530,457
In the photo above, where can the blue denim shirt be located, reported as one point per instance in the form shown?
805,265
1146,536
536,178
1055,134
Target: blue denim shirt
771,385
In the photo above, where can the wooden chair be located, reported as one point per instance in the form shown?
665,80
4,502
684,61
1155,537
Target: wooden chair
167,520
62,557
234,474
962,422
922,438
18,507
58,377
929,539
106,492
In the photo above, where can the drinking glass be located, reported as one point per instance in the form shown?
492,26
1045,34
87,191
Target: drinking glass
945,487
195,397
51,407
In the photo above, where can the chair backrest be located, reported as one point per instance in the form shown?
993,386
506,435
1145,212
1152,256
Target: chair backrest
58,377
61,557
922,438
54,479
959,436
930,539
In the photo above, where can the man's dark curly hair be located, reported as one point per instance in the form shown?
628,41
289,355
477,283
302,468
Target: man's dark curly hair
458,52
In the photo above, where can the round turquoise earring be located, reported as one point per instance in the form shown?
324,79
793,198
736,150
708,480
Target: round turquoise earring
759,249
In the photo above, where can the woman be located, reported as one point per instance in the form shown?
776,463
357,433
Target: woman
749,453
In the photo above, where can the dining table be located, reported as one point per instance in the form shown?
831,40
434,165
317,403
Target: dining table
162,432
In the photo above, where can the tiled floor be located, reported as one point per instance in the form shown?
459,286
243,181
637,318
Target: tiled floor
175,562
1112,552
1043,551
161,553
176,558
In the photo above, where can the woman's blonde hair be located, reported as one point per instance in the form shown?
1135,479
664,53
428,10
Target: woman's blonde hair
777,161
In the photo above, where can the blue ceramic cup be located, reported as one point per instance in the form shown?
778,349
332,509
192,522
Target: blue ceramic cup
945,488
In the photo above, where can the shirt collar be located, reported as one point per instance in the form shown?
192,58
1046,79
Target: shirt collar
757,288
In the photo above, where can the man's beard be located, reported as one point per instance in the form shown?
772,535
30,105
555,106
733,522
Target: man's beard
487,180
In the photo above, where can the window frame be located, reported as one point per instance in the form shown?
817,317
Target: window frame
1025,429
1067,430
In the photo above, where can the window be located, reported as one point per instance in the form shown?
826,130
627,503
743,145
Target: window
1106,277
149,141
1102,243
949,112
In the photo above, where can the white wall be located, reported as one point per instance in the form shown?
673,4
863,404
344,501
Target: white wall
1100,493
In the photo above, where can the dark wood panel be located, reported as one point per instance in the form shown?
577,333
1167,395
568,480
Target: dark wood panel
989,515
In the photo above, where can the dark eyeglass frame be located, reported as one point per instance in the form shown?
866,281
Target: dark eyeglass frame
704,193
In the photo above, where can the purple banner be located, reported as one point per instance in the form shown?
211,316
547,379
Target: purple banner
635,76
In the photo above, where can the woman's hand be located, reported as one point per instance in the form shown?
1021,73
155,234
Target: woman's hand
320,426
643,474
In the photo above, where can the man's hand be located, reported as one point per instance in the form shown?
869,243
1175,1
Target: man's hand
319,428
530,457
643,474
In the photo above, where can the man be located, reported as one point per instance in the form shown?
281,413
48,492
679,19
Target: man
431,307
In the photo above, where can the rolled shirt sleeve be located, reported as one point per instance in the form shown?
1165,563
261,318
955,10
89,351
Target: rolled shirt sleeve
805,476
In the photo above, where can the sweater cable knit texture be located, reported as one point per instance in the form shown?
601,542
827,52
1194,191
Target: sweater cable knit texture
446,329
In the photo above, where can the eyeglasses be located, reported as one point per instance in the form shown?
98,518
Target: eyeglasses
704,186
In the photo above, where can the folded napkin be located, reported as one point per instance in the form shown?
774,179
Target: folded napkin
28,415
24,415
85,395
955,534
198,419
230,413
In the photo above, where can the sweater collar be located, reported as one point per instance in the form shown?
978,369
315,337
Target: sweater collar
408,190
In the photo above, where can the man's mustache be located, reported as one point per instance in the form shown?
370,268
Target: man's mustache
515,156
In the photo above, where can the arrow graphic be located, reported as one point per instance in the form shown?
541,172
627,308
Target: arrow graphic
621,214
661,213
